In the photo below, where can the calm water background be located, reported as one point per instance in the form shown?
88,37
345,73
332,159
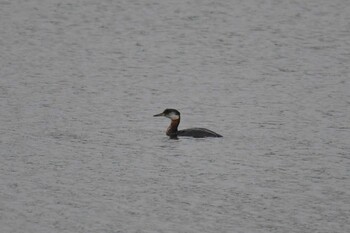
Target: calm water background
81,152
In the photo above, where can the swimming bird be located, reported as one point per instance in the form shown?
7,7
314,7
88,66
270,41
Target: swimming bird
173,133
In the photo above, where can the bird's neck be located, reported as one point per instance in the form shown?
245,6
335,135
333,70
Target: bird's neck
172,129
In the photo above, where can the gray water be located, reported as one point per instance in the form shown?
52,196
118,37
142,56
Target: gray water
81,80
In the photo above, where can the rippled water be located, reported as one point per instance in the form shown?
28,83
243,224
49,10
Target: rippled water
81,152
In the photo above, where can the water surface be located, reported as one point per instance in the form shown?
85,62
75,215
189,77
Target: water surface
81,80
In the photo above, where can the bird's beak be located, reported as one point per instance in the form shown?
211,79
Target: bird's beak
160,114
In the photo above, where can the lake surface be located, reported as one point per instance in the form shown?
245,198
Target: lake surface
81,80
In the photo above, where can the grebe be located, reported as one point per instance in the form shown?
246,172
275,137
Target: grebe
173,133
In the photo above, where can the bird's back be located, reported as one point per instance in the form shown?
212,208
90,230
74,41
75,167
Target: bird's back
197,133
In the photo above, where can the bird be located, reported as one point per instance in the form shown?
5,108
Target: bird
174,133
